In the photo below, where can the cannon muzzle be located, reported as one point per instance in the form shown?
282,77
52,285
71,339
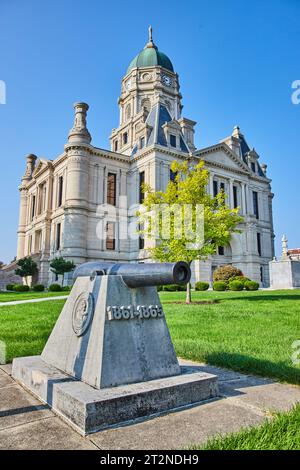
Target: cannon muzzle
139,274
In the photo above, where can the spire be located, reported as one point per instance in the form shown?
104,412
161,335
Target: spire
79,132
150,43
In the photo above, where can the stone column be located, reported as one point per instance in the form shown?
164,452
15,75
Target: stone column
231,201
244,208
211,183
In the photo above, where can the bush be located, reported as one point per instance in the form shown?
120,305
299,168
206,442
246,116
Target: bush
160,288
66,288
54,288
242,279
220,285
10,287
38,288
174,288
236,285
21,288
251,285
227,272
200,285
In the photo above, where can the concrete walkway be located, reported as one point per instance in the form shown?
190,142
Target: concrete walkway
245,401
29,301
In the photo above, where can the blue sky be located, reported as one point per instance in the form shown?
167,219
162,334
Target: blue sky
236,59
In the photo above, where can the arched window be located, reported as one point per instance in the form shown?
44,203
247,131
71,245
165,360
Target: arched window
125,138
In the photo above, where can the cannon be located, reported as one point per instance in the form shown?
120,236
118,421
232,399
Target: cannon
139,274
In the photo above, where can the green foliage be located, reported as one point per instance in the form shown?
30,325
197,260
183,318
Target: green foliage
38,288
10,287
174,288
220,285
27,267
251,285
55,288
242,279
236,285
66,288
60,266
227,272
21,288
160,288
201,286
189,187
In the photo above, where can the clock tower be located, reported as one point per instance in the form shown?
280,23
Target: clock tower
150,82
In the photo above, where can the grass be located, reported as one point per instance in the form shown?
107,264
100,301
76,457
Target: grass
25,328
282,433
251,332
12,296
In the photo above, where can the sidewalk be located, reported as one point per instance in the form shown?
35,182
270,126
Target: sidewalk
43,299
245,401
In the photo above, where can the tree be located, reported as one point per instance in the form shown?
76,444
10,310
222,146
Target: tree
60,266
189,187
27,267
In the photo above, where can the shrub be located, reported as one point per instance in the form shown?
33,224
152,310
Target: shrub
200,285
227,272
160,288
54,288
21,288
236,285
38,288
242,279
174,288
251,285
220,285
66,288
10,287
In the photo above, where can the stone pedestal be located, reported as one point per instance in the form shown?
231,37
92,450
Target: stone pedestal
110,359
285,274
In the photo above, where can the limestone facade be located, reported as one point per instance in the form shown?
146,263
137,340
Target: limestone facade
62,201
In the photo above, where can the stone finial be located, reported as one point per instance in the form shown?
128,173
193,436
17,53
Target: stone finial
264,168
79,132
236,132
284,242
30,164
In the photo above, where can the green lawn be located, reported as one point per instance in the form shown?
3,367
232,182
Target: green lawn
282,433
251,332
11,296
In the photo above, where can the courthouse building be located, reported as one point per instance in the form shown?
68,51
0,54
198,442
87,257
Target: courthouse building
62,201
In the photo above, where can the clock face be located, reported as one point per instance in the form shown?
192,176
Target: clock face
167,80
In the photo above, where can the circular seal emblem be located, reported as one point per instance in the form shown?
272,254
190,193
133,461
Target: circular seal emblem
82,313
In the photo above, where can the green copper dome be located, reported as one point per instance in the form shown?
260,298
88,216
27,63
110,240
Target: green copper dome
150,56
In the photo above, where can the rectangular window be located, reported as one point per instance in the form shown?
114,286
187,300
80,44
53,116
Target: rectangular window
116,145
58,236
125,138
60,191
33,207
142,142
173,140
110,236
141,182
259,244
253,167
222,186
216,189
235,197
255,204
111,188
261,274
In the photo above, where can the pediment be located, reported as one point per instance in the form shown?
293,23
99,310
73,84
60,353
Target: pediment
221,155
41,165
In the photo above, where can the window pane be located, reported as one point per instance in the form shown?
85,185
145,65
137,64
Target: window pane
110,236
141,182
173,140
111,189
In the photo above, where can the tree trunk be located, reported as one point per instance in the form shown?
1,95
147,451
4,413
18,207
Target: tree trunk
188,294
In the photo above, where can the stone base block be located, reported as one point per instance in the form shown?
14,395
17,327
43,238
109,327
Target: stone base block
89,410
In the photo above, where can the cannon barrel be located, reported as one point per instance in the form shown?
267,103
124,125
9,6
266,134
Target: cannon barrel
139,274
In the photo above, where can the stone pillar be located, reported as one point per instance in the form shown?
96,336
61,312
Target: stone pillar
30,164
244,207
231,201
211,183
